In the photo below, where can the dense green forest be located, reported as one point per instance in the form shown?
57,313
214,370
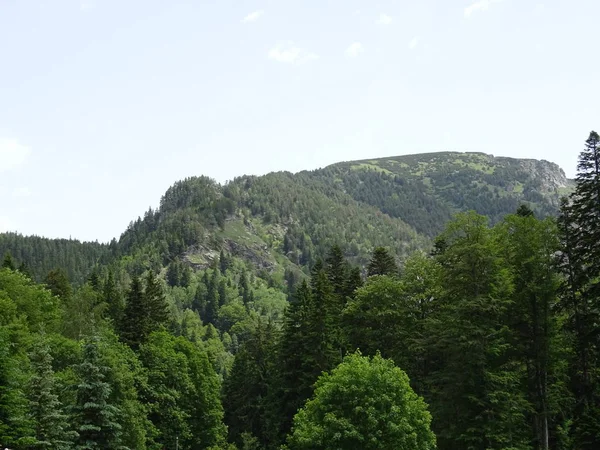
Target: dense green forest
442,301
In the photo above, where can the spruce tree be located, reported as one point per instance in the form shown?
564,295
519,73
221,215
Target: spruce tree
51,425
134,327
113,298
155,303
382,263
8,262
96,418
15,428
580,263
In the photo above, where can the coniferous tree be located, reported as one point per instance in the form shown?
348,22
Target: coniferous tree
382,263
96,418
246,390
224,262
15,428
113,298
353,282
530,247
25,270
155,303
295,368
51,424
58,283
580,263
134,327
477,402
8,262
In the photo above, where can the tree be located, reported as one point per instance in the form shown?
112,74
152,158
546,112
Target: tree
96,418
113,298
580,264
134,326
476,400
8,262
183,393
58,283
83,311
364,403
51,424
155,303
246,389
382,263
15,428
530,246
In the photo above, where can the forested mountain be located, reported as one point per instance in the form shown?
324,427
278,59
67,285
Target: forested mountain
446,301
283,221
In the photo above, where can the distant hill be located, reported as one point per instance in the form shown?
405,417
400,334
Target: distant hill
281,222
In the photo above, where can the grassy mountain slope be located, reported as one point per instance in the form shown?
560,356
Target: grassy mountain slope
282,222
425,190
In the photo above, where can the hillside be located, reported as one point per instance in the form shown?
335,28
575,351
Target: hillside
283,222
425,190
228,302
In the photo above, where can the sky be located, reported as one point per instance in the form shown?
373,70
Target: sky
104,104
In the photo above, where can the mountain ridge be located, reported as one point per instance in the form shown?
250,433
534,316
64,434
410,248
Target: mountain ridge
284,221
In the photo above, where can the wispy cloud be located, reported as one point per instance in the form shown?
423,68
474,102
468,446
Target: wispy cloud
12,154
288,52
253,16
354,50
479,5
384,19
413,43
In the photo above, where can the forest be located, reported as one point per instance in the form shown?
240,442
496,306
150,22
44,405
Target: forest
447,303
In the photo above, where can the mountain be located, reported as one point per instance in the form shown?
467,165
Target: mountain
282,222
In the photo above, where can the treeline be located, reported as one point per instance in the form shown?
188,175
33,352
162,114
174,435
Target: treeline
38,256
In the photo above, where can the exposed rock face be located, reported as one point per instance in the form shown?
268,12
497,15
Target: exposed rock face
549,175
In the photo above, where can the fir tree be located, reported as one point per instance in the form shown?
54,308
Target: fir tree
580,262
382,263
8,262
134,327
155,303
51,425
113,298
15,428
96,418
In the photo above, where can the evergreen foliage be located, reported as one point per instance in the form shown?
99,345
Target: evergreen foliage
96,418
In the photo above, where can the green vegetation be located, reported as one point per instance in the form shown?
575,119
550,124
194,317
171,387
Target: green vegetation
364,403
433,301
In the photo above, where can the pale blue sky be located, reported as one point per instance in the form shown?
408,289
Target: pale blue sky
105,103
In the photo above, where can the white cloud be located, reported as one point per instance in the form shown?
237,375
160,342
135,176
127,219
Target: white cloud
413,43
287,52
479,5
12,154
7,225
253,16
384,19
21,192
354,50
